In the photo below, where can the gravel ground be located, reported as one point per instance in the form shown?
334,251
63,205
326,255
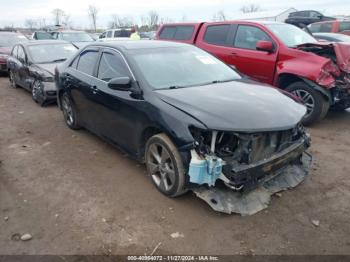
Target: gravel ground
75,194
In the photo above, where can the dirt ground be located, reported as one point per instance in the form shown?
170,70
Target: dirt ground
76,194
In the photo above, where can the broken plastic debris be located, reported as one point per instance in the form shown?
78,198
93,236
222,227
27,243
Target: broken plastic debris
228,201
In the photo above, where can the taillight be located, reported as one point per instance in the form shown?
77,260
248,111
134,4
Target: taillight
327,74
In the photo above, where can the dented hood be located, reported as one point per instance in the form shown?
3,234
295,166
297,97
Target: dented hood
236,106
341,50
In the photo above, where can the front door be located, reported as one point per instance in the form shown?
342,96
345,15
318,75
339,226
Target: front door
259,65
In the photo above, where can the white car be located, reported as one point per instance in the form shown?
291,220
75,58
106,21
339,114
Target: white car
116,34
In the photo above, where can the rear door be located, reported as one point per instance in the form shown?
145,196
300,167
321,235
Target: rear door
79,78
259,65
217,39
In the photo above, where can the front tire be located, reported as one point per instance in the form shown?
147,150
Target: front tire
38,95
165,166
317,106
69,112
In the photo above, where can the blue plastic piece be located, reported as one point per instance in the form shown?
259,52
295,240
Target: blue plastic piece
205,171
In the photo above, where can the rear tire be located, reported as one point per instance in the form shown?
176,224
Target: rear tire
165,166
12,80
317,106
69,112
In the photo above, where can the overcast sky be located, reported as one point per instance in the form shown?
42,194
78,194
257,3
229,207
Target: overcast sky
16,11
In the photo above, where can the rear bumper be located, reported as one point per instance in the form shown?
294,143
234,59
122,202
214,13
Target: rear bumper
251,176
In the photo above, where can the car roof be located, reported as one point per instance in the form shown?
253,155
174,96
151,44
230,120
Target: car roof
140,44
43,42
10,33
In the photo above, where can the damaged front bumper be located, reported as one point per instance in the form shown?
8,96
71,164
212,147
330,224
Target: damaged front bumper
258,166
224,200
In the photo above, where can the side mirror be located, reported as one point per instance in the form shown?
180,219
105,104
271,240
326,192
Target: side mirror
266,46
120,83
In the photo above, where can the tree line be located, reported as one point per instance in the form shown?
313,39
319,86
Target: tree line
146,22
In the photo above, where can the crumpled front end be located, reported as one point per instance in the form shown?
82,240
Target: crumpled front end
238,172
335,74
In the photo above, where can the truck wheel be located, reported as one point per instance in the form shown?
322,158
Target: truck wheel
317,106
165,166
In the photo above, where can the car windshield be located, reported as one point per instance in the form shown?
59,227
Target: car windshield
177,67
291,35
9,40
51,53
77,37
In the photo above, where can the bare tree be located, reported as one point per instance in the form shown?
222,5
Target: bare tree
153,20
92,12
121,21
58,15
66,20
41,23
30,23
250,8
219,16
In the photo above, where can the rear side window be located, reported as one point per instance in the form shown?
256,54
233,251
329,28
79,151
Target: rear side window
87,62
177,32
315,28
184,32
248,36
344,26
111,66
122,33
326,27
168,32
217,34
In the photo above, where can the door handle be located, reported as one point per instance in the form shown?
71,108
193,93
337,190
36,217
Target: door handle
234,54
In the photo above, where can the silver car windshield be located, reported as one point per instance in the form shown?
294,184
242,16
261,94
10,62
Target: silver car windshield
177,67
51,53
291,35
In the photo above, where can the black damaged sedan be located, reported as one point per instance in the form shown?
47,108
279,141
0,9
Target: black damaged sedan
31,65
193,120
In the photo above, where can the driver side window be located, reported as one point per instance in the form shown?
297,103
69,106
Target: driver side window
111,66
248,36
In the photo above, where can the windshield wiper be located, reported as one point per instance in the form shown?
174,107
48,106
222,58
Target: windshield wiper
59,60
222,81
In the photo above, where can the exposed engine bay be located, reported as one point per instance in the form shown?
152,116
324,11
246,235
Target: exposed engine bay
239,165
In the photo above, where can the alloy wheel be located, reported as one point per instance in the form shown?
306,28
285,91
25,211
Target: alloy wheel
67,111
161,167
12,79
37,91
307,99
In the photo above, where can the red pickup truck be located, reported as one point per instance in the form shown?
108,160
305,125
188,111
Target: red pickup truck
278,54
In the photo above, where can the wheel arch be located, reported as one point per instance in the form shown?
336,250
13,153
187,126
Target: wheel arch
285,79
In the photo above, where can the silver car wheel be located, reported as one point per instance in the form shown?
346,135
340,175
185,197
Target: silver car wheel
67,111
161,167
307,99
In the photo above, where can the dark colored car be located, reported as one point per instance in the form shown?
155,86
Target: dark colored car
190,117
331,37
77,38
31,66
7,40
338,26
278,54
306,17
